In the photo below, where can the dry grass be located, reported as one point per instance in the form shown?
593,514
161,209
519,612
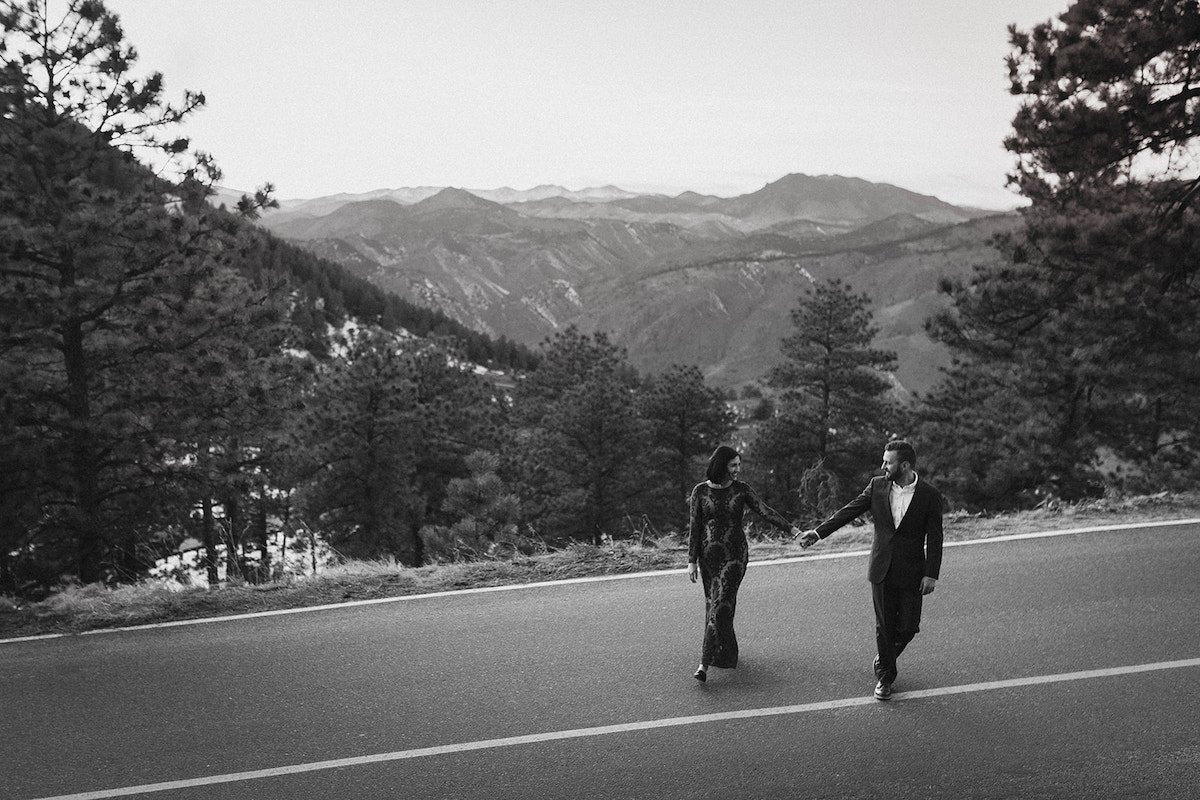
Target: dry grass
83,608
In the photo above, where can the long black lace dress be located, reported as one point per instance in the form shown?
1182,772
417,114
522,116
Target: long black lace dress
717,542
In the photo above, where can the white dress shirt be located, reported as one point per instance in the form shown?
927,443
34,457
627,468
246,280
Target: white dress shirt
900,497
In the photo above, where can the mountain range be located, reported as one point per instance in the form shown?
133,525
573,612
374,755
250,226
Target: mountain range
691,278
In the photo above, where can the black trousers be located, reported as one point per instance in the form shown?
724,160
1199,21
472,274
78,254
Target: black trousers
897,621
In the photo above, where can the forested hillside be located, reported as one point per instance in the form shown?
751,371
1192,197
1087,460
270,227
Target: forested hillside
167,369
327,294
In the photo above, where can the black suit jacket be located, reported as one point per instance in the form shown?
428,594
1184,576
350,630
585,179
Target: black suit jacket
910,552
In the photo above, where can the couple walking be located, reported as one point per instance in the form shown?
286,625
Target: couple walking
906,554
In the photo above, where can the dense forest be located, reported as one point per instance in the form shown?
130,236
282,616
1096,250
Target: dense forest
169,371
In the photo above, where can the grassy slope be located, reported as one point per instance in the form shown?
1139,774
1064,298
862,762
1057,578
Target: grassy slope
92,607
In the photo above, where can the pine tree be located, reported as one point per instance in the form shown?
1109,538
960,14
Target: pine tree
834,406
582,445
113,288
1092,330
486,514
386,428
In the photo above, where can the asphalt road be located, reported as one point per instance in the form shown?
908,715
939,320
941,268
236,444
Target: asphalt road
1058,667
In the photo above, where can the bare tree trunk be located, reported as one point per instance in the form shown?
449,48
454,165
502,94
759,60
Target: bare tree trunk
235,563
285,524
263,573
85,464
208,527
312,548
8,581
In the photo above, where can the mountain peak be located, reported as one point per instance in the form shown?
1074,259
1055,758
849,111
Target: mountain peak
451,198
829,198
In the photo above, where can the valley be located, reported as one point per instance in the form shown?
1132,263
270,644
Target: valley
691,279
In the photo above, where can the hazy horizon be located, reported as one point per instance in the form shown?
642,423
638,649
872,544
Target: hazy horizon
715,97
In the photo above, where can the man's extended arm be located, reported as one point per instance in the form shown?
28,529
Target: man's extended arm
851,510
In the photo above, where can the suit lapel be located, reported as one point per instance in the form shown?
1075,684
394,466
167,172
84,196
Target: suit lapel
883,505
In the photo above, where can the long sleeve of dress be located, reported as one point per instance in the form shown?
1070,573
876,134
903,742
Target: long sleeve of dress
695,526
766,512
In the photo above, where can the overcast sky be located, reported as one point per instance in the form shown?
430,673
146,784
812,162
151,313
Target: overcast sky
712,96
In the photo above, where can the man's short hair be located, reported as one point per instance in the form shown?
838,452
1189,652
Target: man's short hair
907,453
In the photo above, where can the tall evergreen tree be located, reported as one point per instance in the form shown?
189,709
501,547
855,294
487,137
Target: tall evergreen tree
1093,328
834,407
387,427
110,284
583,446
247,394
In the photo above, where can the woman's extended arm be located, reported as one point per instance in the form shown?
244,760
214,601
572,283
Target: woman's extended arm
769,514
695,533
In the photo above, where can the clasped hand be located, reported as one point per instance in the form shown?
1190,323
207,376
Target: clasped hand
807,538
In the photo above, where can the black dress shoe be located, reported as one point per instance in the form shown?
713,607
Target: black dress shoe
700,675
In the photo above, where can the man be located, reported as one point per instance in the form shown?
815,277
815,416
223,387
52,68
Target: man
906,556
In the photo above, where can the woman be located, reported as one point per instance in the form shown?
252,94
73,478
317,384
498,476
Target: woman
718,550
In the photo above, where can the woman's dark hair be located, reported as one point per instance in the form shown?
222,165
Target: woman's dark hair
718,464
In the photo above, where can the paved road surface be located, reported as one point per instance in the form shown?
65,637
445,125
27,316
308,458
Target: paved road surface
1021,684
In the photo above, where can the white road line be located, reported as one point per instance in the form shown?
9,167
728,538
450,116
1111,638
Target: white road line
603,730
590,579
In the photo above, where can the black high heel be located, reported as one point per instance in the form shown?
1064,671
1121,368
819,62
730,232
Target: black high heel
700,675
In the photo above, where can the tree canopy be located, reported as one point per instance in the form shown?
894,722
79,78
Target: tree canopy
1109,94
834,410
115,298
1091,331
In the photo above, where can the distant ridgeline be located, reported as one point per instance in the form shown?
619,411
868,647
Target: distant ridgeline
691,279
329,294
